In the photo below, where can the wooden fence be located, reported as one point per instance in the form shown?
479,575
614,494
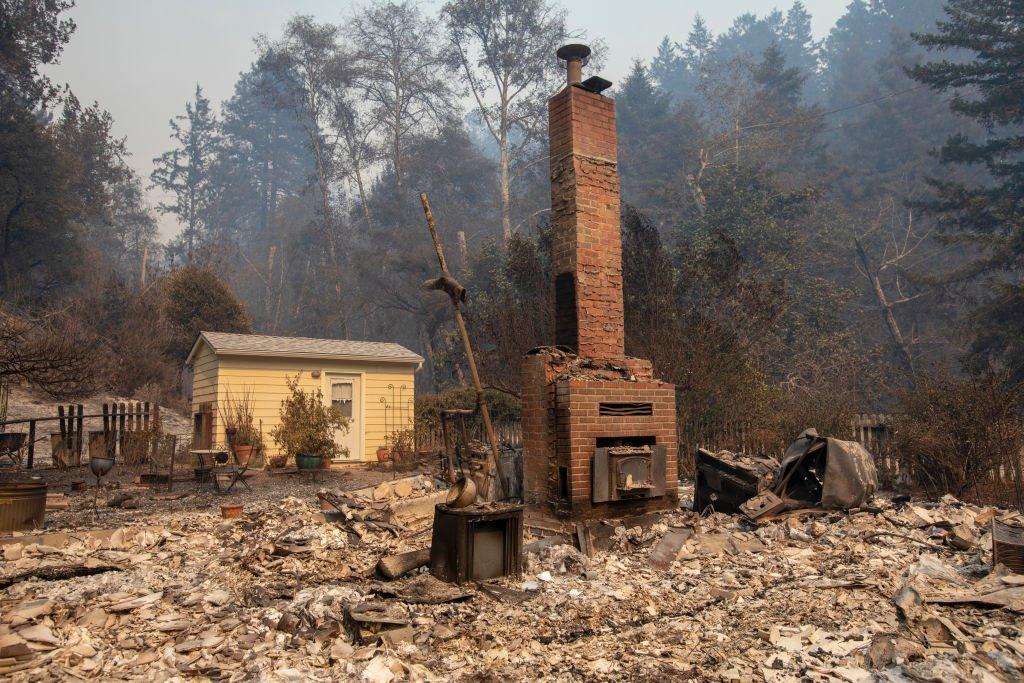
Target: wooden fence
508,432
873,431
125,433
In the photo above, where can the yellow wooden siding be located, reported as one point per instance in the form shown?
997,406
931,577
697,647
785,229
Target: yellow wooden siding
266,379
204,376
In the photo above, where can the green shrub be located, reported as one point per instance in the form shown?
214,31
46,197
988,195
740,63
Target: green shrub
307,425
195,299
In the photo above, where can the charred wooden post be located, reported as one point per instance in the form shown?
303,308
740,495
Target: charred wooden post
31,443
457,294
62,426
79,433
122,409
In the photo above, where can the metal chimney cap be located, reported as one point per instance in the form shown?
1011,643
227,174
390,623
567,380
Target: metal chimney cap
596,84
574,52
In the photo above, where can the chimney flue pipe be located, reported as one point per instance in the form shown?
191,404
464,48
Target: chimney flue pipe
575,56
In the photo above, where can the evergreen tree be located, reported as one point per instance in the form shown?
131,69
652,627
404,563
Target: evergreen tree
990,215
95,159
782,85
132,230
184,172
32,33
677,68
654,139
261,158
852,48
669,69
798,46
750,35
38,238
262,161
698,45
889,143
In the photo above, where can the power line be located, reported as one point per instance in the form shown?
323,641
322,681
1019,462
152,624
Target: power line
821,115
857,105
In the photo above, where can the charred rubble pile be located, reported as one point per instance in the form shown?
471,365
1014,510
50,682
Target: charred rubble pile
893,591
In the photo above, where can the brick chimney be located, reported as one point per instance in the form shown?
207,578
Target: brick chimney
599,429
586,242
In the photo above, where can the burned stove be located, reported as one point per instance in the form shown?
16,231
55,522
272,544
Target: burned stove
599,430
628,473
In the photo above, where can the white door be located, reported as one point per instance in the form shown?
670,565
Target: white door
345,396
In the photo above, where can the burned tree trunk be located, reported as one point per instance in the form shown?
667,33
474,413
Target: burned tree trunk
902,349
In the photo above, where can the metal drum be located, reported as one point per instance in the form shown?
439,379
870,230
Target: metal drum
1008,544
22,506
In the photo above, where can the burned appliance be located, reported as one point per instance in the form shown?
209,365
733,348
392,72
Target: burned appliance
599,429
628,473
815,472
477,542
724,481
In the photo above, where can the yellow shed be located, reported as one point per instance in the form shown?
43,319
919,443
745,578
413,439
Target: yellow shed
370,382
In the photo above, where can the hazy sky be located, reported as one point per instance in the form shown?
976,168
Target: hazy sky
141,59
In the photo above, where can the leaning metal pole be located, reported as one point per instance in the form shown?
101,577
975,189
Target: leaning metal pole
457,294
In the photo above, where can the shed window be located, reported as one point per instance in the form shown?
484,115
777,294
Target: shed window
341,397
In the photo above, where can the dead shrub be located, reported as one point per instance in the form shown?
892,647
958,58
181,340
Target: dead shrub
964,436
51,351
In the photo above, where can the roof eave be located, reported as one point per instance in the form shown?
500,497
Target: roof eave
195,347
418,360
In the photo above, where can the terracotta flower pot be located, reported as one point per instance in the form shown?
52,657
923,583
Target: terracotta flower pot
382,454
242,453
231,511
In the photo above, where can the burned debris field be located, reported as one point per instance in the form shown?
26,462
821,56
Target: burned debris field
169,589
429,352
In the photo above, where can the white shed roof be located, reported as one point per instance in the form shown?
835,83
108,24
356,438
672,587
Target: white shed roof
303,347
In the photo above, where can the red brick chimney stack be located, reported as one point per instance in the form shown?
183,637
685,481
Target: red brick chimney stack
591,428
586,243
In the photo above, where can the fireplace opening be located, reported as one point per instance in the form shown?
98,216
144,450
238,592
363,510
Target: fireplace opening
563,483
627,468
613,441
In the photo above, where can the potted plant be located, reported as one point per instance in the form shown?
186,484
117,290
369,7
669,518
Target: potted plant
308,427
240,427
402,444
